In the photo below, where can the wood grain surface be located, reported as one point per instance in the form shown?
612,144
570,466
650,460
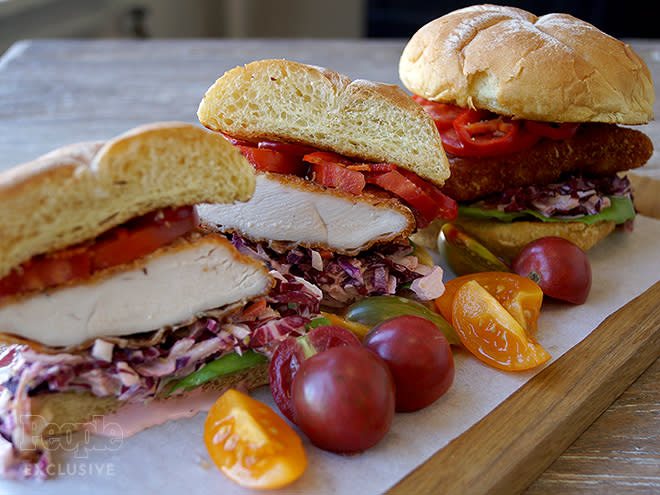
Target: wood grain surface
57,92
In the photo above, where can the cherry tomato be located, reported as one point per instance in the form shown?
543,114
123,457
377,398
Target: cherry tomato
344,399
292,351
558,266
419,357
251,444
519,295
122,244
268,160
490,333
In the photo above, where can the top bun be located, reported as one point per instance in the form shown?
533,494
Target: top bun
77,192
280,100
553,68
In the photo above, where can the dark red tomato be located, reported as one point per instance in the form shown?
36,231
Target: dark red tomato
552,130
119,245
268,160
290,354
558,266
418,356
335,175
344,399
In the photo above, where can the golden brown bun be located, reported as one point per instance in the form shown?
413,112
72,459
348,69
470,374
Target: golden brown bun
507,239
75,193
553,68
66,412
280,100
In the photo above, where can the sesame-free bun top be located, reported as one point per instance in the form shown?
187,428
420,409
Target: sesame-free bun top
553,68
281,100
77,192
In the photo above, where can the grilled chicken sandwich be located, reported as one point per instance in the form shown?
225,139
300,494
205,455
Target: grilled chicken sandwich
530,112
346,171
110,294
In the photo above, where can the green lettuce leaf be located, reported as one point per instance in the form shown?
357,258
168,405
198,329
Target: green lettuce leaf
620,210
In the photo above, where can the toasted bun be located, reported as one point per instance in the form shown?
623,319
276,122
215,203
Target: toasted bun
65,412
77,192
280,100
507,239
552,68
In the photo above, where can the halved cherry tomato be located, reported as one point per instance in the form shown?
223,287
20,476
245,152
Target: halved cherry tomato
491,333
290,354
552,130
251,444
268,160
334,174
519,295
443,114
120,245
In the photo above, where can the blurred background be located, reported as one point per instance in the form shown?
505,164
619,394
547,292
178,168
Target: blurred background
21,19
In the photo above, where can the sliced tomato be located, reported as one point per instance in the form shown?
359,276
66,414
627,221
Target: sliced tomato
236,141
319,157
443,114
119,245
142,236
330,170
552,130
298,150
448,206
491,333
485,131
423,204
268,160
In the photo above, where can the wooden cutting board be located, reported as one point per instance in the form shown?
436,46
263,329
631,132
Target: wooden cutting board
510,447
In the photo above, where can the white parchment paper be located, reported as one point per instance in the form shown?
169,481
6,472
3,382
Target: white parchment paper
172,459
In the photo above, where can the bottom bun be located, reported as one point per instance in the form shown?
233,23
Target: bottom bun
507,239
66,412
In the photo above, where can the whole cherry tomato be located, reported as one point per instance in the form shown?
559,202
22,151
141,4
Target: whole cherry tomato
292,351
558,266
344,399
418,356
251,444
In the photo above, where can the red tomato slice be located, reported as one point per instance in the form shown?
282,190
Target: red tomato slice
448,206
330,170
141,236
237,142
423,204
552,130
298,150
291,352
122,244
268,160
443,114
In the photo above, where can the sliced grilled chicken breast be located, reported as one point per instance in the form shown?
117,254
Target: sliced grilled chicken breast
289,209
170,286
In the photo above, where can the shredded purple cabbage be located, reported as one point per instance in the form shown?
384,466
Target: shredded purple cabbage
576,196
342,279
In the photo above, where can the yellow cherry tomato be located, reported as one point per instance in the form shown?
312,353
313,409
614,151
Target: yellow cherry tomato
251,444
